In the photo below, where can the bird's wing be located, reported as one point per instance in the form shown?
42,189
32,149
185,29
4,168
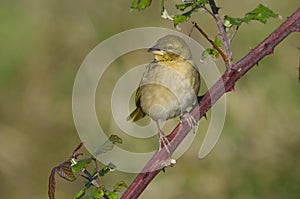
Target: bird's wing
137,113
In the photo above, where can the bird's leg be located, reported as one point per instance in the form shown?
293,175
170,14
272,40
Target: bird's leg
163,140
189,119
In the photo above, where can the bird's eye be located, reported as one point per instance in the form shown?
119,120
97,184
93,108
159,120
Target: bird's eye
169,47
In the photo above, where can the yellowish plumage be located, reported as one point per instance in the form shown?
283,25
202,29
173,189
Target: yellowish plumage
170,83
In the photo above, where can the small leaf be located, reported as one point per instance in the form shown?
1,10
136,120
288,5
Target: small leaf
120,185
218,41
182,7
115,139
81,164
111,195
230,21
201,2
209,51
65,171
260,13
180,19
80,193
106,169
97,193
140,4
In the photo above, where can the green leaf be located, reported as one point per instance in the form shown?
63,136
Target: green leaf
106,169
80,193
97,193
187,4
140,4
88,197
184,17
162,6
182,7
81,164
230,21
111,195
210,51
115,139
120,185
180,19
218,41
260,13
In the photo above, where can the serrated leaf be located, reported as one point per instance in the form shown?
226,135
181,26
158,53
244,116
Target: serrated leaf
65,171
140,4
260,13
81,164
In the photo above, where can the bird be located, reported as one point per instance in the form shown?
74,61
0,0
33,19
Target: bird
169,85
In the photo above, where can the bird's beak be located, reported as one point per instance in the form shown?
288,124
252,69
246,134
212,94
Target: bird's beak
156,51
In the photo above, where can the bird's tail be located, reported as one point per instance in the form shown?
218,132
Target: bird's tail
136,115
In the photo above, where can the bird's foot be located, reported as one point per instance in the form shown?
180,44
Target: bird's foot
189,118
164,142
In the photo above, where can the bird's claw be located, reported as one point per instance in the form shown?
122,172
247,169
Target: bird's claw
164,142
189,118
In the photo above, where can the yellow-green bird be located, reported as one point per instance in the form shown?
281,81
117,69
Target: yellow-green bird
169,85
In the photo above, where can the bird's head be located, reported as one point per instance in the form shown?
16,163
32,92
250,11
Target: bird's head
169,48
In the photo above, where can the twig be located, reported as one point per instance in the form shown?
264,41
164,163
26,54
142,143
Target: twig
192,29
228,80
214,7
98,172
211,42
299,72
222,33
234,33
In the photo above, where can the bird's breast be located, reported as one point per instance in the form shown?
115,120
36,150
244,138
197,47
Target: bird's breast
167,89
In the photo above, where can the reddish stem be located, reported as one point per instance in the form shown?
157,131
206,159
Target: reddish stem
211,42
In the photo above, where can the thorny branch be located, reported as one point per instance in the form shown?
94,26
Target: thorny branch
224,84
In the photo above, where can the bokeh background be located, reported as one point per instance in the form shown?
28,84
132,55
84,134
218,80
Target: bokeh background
42,45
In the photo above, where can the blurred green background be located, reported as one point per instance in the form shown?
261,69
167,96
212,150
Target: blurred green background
42,46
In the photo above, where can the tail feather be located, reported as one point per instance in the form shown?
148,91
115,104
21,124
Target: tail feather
136,115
